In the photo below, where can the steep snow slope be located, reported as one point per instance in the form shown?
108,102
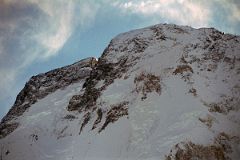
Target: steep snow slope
162,92
40,86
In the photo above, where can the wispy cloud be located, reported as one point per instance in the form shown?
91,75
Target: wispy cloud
225,15
184,12
222,14
232,7
59,20
35,30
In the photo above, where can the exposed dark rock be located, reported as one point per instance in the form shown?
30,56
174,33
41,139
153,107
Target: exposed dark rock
6,129
191,151
129,60
86,119
41,85
225,105
159,35
208,120
7,152
74,102
34,137
116,111
147,83
99,118
193,91
103,71
70,117
218,150
183,68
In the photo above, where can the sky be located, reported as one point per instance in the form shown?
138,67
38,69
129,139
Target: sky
39,35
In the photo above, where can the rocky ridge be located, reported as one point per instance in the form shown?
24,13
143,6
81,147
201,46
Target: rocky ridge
41,85
163,92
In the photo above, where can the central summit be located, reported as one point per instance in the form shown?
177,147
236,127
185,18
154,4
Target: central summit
161,92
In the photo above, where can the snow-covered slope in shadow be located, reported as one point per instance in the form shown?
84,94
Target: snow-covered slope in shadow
162,92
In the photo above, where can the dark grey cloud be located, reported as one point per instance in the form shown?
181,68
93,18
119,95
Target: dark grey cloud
24,28
18,22
34,30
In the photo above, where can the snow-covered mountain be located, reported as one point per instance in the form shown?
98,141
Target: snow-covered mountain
163,92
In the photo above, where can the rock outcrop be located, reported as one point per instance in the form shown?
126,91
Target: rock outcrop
162,92
41,85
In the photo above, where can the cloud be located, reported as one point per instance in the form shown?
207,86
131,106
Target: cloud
225,15
35,30
221,14
233,9
49,28
86,13
61,16
185,12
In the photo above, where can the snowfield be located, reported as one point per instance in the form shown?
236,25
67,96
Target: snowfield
163,92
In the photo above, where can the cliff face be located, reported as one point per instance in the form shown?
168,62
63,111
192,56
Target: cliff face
162,92
42,85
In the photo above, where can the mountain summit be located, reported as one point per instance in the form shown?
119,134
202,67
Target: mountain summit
163,92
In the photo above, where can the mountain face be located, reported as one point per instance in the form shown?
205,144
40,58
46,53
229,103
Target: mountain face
164,92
